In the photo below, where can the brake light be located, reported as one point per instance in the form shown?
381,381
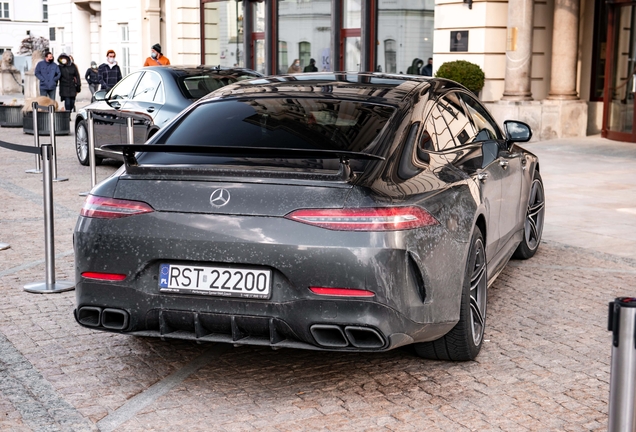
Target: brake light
365,219
104,276
341,292
111,208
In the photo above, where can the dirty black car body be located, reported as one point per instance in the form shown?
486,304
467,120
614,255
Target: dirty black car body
353,212
151,97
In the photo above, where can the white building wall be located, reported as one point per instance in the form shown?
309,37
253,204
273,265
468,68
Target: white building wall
24,15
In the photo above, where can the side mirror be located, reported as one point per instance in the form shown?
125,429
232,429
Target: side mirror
517,131
100,95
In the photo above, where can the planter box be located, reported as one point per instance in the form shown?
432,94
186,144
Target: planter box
11,115
62,123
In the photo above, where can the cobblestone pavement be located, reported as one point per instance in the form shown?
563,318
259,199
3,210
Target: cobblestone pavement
544,364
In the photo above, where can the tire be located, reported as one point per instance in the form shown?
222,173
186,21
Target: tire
81,144
533,222
464,341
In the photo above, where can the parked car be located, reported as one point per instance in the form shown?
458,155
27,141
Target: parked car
151,96
347,212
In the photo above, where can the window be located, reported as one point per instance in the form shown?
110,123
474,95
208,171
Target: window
485,126
304,54
283,63
124,35
456,119
4,10
390,56
52,34
124,87
45,11
149,89
223,33
438,132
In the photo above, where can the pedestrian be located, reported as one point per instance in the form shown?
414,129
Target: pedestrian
109,73
294,67
312,66
414,69
92,78
70,81
156,57
427,70
48,73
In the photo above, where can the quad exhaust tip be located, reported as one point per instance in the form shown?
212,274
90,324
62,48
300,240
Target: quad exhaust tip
112,319
333,336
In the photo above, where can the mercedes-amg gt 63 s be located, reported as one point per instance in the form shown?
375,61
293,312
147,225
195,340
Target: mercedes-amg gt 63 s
327,211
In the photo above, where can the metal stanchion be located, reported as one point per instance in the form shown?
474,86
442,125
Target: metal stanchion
130,130
36,139
91,151
4,246
54,144
622,324
50,285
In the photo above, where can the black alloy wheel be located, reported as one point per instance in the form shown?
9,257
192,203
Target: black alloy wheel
464,341
81,144
533,223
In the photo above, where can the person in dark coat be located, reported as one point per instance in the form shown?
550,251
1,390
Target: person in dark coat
427,70
70,81
109,73
48,73
414,69
91,78
311,67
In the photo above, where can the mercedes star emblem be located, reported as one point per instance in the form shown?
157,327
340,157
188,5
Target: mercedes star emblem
220,197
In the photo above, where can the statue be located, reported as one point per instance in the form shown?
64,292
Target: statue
10,77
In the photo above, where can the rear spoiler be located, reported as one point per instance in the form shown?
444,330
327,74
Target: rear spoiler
130,159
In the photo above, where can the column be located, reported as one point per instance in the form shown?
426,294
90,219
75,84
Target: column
81,50
519,50
565,43
151,29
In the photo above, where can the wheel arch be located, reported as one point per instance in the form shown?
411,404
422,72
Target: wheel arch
481,224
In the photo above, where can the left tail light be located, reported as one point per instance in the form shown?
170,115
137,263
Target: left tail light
112,208
365,219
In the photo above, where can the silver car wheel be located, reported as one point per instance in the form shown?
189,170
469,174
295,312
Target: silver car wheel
478,287
81,142
535,215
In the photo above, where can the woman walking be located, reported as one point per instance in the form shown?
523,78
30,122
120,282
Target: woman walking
70,81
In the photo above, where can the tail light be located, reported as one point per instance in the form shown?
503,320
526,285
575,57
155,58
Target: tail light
365,219
111,208
104,276
341,292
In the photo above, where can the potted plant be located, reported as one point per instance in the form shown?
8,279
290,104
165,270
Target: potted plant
10,115
466,73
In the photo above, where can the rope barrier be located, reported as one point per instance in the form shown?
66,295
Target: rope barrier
20,148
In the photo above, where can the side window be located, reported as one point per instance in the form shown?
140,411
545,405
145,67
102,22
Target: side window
486,127
124,88
458,123
147,88
436,135
406,168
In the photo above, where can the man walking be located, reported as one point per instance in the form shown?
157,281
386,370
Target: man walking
427,70
156,57
91,78
109,73
48,73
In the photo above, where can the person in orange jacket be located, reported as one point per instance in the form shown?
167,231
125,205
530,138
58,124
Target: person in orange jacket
156,58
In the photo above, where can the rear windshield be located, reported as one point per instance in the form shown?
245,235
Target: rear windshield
298,123
197,86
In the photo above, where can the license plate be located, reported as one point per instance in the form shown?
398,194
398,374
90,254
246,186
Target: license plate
216,281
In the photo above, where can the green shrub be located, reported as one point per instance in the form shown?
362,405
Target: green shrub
466,73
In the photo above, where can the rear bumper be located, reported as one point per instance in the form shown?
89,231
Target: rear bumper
336,325
414,275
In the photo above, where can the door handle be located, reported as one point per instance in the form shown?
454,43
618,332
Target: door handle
482,177
503,163
150,109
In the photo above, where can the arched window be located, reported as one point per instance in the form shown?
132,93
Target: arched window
390,56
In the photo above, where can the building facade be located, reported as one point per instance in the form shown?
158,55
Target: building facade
566,67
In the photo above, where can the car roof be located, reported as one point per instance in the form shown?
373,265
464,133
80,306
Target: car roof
196,70
391,89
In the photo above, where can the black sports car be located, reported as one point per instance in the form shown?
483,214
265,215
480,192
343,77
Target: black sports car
151,96
352,212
